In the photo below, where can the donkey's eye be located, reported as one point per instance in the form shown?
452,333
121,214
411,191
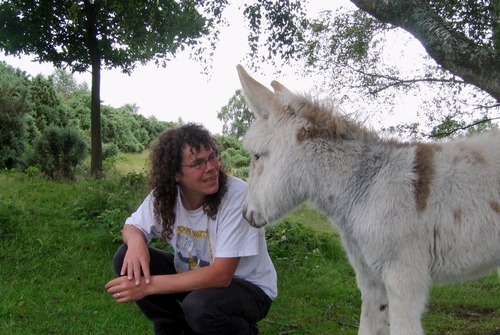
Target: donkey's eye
256,157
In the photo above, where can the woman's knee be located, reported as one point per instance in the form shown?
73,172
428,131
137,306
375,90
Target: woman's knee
198,310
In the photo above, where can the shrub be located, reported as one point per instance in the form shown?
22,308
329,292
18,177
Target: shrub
14,118
241,173
59,150
13,140
291,239
109,150
240,160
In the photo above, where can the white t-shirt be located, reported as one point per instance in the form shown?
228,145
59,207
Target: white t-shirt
197,239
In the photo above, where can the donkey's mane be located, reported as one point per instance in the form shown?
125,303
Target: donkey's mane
325,120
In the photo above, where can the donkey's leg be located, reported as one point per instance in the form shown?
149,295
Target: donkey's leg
374,307
407,289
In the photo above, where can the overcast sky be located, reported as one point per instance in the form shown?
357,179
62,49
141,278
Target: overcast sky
180,90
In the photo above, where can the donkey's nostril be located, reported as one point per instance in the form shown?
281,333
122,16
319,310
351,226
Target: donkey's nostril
248,216
244,212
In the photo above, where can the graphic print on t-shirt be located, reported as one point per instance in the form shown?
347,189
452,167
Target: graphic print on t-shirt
192,249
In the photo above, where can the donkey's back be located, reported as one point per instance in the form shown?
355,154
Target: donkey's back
457,199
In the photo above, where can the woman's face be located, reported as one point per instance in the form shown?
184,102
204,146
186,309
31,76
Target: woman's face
196,183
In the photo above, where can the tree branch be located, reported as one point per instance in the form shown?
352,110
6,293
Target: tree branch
395,81
455,52
448,133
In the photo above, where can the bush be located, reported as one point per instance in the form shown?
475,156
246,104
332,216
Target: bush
14,117
291,239
110,155
109,150
240,160
13,140
241,173
59,150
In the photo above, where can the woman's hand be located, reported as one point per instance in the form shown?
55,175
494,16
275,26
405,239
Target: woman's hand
136,261
125,290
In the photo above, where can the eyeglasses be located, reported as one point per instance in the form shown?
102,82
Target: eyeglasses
201,164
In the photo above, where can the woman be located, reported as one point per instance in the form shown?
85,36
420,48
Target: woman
220,279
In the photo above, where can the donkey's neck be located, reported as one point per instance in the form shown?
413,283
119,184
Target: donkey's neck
344,172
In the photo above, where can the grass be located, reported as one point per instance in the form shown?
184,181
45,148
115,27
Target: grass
53,272
317,287
57,241
132,163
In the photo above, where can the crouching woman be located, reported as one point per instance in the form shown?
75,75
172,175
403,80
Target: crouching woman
220,278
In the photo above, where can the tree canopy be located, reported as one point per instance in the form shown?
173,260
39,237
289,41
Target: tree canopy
117,34
236,116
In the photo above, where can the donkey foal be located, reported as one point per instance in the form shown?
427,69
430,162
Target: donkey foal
409,214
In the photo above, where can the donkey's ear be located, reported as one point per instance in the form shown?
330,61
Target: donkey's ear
260,99
284,94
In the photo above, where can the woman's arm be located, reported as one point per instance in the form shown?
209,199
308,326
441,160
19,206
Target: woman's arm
219,274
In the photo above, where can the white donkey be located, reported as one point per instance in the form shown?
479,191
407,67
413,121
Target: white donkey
409,214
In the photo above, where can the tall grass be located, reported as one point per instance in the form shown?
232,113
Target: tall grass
57,241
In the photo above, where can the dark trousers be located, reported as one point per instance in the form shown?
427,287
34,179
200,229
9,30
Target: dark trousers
233,310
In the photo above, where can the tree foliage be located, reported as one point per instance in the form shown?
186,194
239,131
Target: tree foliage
15,105
236,116
31,106
281,22
65,85
462,38
235,158
47,108
459,35
117,33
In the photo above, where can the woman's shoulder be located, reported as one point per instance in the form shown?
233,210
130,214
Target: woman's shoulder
236,189
236,185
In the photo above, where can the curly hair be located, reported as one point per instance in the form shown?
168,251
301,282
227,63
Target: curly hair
166,160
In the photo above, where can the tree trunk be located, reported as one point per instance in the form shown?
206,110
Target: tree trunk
452,50
96,155
495,23
95,124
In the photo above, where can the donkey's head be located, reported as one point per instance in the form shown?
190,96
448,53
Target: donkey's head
299,145
276,180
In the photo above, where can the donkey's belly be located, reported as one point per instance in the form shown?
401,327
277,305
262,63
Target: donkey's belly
464,263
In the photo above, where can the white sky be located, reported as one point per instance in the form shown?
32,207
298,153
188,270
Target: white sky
180,90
